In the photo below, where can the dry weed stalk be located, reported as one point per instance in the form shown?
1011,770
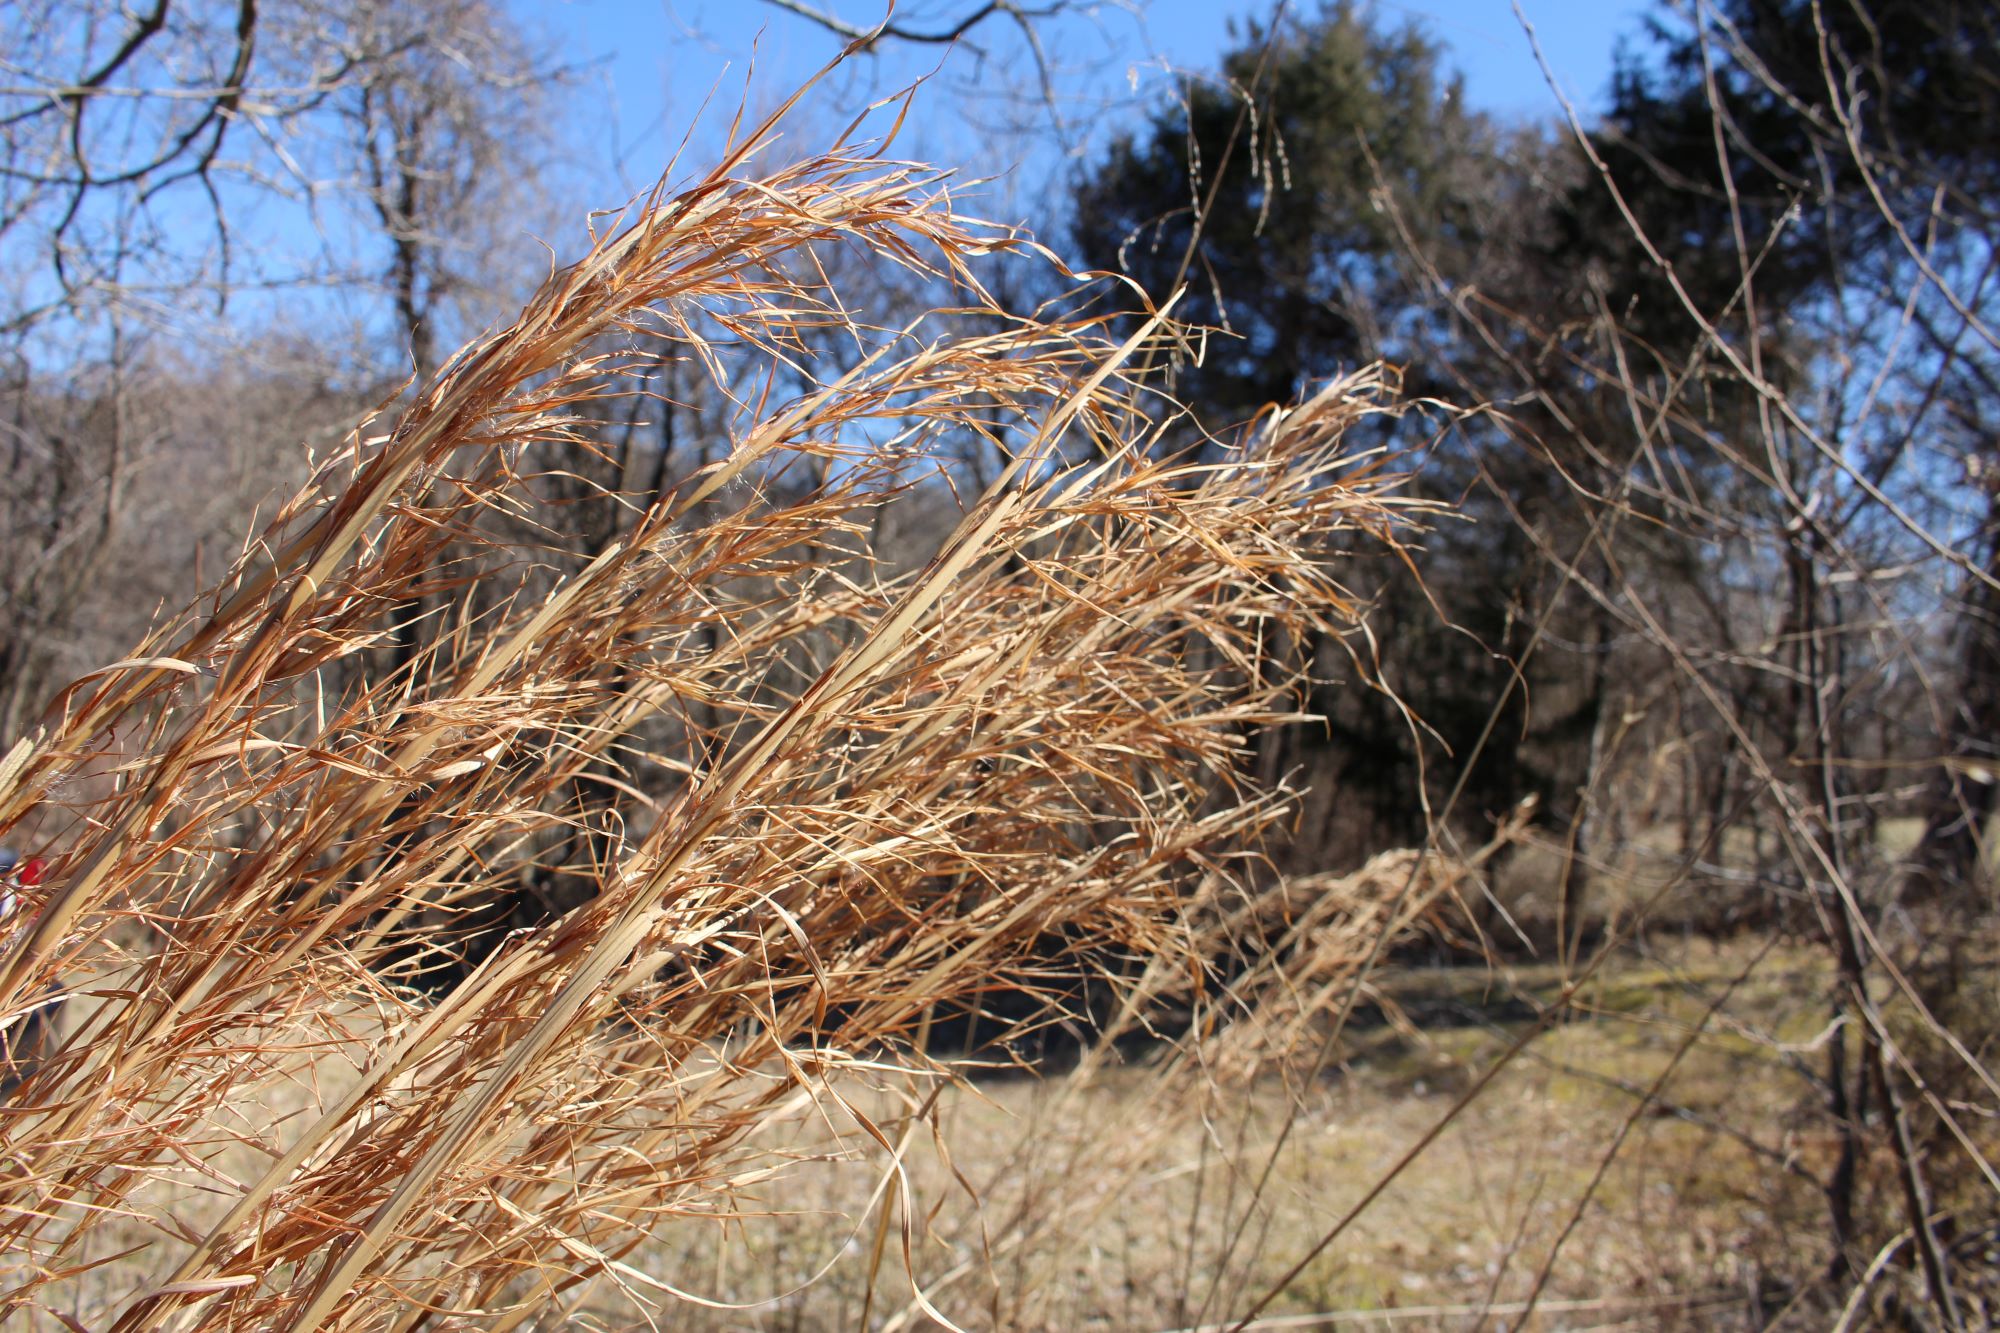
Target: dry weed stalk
884,793
1308,942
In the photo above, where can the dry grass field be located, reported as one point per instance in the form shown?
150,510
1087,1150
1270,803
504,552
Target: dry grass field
1070,1201
1122,1197
1116,1198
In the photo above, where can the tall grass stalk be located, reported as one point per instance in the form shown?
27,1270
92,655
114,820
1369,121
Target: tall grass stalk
844,797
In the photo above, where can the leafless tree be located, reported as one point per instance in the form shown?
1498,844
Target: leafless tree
161,161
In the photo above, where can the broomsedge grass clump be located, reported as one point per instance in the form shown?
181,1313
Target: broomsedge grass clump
826,800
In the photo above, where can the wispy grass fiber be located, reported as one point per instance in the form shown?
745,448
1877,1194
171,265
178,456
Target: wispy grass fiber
839,799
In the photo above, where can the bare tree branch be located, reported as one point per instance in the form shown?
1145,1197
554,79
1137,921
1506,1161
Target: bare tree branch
888,28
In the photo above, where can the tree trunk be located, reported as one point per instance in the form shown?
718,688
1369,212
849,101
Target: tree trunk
1947,860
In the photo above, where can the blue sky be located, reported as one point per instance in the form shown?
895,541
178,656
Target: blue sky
656,61
645,69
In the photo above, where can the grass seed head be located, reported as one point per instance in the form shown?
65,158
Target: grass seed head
815,801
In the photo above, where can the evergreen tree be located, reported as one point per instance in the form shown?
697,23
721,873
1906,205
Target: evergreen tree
1278,163
1320,201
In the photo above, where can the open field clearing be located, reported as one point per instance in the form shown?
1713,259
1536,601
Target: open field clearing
1129,1190
1102,1203
1118,1198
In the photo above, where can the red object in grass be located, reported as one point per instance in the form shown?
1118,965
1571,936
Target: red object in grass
32,871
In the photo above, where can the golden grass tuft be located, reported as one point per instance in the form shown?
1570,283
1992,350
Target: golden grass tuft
841,798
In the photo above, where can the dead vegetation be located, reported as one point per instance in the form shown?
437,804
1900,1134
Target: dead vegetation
845,799
579,869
